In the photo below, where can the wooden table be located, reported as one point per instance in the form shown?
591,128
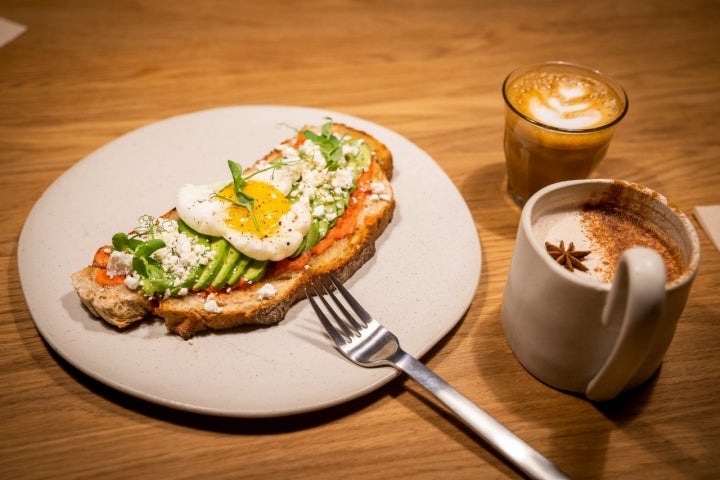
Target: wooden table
86,72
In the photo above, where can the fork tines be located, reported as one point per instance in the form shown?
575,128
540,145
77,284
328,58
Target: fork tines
347,323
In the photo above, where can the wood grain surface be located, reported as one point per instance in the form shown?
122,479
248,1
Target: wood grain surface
86,72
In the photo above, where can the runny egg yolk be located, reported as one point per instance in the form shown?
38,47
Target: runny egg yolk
269,205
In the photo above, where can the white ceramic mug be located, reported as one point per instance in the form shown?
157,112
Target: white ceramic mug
581,334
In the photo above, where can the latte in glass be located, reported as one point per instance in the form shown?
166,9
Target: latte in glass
559,121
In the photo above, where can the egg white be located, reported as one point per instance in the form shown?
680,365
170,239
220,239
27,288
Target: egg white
294,225
207,215
200,211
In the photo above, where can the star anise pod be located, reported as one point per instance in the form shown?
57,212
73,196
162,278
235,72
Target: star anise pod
570,258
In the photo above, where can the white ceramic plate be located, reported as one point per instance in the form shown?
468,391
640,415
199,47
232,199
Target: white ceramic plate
420,282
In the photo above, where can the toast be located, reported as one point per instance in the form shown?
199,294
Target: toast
348,244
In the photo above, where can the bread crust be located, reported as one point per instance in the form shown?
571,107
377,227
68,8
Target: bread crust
187,315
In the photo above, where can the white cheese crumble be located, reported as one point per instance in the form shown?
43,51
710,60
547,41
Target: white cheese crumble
318,211
314,184
120,263
350,149
343,179
379,192
181,252
132,281
267,291
211,305
179,258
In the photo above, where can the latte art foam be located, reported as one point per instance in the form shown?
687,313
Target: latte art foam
565,100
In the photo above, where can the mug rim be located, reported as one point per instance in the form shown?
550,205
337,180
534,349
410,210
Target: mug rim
591,71
688,272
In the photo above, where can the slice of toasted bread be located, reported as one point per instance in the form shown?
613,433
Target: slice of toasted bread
188,315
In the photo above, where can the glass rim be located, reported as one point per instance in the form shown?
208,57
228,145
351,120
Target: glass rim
596,73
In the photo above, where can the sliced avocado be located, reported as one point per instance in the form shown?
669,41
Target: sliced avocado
313,235
192,277
223,274
301,247
323,227
364,154
340,208
255,270
220,247
240,266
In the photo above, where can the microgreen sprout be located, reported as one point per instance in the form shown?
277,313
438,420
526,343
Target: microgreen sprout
330,145
155,279
243,199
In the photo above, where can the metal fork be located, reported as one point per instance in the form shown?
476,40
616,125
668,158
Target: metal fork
364,341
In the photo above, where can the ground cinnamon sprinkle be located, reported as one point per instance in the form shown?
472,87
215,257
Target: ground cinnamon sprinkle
612,228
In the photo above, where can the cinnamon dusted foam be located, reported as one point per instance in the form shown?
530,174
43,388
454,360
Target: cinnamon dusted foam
614,223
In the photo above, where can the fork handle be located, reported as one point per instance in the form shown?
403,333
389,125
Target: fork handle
493,432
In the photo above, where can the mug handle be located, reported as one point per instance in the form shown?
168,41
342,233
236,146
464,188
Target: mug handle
633,306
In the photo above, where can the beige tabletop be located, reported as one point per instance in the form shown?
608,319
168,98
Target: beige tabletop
86,72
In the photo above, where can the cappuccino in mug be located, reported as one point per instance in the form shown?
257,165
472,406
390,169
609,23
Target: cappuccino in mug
558,124
599,277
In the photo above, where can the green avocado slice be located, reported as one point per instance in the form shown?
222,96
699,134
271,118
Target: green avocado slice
223,274
255,270
237,271
220,246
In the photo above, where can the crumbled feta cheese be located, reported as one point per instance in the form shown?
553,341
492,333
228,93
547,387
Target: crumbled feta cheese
267,291
350,149
181,252
379,192
132,281
377,187
120,263
211,305
343,178
318,211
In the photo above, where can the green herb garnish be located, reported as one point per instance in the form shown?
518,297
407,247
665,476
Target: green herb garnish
243,199
122,243
330,146
154,278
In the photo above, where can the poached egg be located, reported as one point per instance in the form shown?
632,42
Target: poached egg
275,233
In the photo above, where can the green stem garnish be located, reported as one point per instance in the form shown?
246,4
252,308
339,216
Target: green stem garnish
330,146
155,279
122,243
243,199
